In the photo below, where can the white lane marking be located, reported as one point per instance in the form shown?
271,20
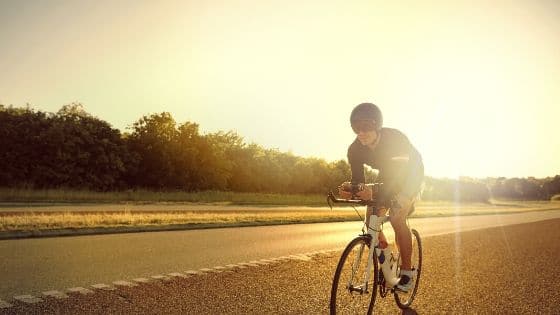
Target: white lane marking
141,280
29,299
202,271
161,277
80,290
248,264
55,294
257,262
236,266
301,257
4,304
177,275
192,272
124,283
103,286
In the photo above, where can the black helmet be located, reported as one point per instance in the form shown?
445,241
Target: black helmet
367,111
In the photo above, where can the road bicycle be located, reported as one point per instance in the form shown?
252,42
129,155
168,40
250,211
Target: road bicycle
359,277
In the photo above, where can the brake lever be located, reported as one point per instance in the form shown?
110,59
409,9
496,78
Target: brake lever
329,197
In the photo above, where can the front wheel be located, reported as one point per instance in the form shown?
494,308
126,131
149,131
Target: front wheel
404,300
350,294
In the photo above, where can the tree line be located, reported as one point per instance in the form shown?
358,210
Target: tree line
71,149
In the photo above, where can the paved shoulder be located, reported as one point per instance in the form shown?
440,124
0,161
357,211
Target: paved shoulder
483,271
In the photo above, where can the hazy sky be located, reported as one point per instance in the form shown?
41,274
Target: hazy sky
474,84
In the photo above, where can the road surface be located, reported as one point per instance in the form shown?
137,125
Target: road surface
33,266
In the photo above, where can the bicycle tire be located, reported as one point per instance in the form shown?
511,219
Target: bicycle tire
340,293
404,300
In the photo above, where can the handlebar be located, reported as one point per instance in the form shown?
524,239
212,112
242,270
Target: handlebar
331,198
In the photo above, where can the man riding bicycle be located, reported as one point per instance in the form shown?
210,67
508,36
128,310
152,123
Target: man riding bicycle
400,170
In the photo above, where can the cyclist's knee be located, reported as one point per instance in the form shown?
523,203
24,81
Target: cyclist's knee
398,217
398,214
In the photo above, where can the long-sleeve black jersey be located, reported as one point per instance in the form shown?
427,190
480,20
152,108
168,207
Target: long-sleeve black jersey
400,166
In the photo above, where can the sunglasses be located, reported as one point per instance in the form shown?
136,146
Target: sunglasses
364,126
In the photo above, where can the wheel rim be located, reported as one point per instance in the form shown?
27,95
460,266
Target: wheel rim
352,274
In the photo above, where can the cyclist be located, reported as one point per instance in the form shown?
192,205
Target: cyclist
401,171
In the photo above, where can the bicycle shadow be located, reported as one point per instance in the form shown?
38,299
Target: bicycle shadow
409,311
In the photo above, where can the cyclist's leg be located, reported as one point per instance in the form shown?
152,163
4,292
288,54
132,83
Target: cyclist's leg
380,212
382,239
403,237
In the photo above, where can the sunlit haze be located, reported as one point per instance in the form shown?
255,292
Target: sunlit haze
474,84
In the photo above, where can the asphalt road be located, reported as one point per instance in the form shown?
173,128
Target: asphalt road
32,266
502,270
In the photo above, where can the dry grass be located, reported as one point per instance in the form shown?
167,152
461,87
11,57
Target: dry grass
76,219
16,195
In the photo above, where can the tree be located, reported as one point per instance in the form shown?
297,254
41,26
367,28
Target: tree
152,143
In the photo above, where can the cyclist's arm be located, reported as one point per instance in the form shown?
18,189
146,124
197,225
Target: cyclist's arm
356,165
415,174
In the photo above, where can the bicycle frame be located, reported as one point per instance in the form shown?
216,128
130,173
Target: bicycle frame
383,256
362,271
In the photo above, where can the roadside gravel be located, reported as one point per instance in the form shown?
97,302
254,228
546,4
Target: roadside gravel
509,270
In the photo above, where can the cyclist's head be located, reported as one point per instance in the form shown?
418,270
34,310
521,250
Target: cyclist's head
366,117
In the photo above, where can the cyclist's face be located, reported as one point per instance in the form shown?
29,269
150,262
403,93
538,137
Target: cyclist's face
366,131
367,137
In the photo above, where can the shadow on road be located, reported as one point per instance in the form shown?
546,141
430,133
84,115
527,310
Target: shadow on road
409,311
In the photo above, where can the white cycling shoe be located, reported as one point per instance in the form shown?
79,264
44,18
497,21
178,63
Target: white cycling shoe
405,283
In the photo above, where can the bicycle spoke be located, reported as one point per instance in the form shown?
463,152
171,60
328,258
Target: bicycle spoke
350,294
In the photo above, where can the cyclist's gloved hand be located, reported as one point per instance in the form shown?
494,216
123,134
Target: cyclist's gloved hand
366,193
344,190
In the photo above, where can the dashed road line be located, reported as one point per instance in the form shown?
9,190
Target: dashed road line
301,257
188,273
161,277
177,275
192,272
123,283
103,286
248,264
236,266
142,280
29,299
258,262
80,290
4,304
56,294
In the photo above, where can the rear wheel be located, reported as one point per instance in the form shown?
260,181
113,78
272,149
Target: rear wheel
404,300
349,294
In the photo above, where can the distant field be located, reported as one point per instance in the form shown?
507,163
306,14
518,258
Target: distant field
24,217
145,196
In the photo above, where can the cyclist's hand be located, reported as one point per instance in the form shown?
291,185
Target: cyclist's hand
343,190
366,194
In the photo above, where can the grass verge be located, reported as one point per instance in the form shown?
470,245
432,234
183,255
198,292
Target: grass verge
34,223
11,195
